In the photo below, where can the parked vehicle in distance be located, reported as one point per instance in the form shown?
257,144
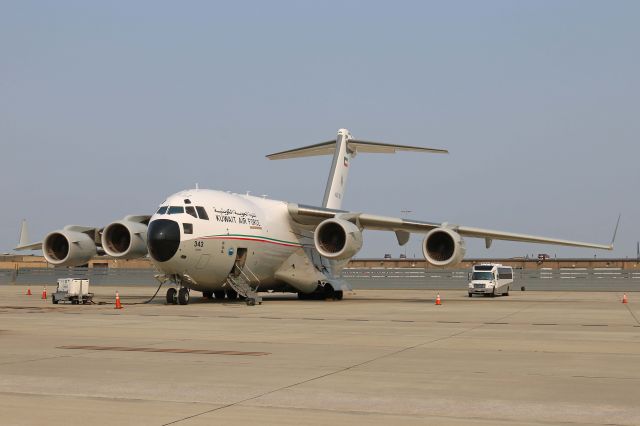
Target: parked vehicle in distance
387,256
490,279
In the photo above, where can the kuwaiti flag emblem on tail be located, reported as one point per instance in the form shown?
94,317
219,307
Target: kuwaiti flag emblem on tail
346,161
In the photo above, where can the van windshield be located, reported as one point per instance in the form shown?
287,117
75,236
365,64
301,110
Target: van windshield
482,276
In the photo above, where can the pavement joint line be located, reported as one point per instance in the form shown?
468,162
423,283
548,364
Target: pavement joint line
161,350
35,359
506,421
341,370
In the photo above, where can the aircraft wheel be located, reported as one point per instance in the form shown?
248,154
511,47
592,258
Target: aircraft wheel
303,296
507,293
183,296
219,294
470,295
171,296
337,295
207,294
250,301
231,294
328,293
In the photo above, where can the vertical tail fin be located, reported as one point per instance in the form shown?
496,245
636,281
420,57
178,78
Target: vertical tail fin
334,192
344,148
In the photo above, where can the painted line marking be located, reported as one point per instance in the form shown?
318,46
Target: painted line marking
161,350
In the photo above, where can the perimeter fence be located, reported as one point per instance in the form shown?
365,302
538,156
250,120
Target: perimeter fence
598,279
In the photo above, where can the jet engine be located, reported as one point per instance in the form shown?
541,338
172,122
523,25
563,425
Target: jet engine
68,248
125,239
337,239
443,247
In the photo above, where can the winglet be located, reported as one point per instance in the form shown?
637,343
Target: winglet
24,234
615,232
24,243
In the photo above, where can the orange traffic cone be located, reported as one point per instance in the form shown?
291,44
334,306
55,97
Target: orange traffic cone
118,304
29,291
438,302
624,298
44,293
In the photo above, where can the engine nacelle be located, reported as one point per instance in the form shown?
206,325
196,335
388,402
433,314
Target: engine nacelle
337,239
443,247
68,248
125,239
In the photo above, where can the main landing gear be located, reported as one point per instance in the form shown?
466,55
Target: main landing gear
325,292
178,297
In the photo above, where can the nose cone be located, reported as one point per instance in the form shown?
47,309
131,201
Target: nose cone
163,239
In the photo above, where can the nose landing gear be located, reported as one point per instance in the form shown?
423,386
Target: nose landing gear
172,296
178,297
183,296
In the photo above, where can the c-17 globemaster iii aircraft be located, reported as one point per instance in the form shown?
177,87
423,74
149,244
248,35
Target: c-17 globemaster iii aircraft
229,245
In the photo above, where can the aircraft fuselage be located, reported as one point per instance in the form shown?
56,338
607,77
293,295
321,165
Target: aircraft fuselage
205,248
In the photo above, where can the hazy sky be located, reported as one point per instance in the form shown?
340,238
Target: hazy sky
108,107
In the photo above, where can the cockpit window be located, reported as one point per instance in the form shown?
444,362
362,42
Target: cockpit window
202,213
191,211
162,210
175,210
187,201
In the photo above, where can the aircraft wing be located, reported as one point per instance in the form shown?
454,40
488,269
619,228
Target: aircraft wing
92,231
309,215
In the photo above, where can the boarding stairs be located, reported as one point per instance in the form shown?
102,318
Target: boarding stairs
241,280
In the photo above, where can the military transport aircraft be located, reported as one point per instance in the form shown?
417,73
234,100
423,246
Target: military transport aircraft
229,245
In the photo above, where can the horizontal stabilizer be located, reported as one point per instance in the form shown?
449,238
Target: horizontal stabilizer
324,148
343,149
354,146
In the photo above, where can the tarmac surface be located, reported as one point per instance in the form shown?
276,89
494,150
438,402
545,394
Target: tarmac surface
378,357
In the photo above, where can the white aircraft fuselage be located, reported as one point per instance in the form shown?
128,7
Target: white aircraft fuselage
206,249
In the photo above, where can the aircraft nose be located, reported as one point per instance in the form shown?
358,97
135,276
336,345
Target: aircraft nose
163,239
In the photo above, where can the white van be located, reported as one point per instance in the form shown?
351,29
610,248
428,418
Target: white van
490,279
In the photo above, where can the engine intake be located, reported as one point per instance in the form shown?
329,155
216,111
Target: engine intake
125,239
68,248
337,239
443,247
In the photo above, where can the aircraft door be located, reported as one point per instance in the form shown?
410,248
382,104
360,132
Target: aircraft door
241,260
